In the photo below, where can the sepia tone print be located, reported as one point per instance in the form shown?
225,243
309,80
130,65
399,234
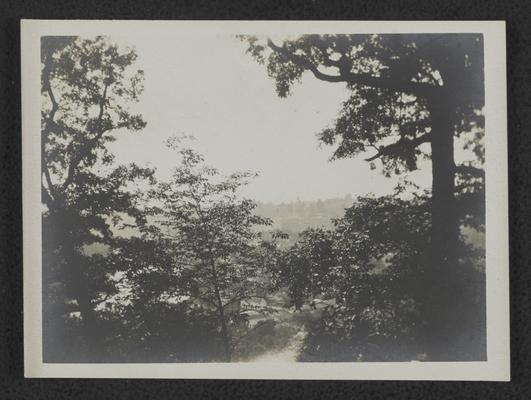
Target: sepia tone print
254,198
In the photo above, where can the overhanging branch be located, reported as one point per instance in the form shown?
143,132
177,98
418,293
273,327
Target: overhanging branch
400,144
304,63
397,84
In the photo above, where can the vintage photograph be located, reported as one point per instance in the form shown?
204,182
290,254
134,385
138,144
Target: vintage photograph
263,198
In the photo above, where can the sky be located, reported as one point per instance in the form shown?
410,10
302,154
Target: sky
207,87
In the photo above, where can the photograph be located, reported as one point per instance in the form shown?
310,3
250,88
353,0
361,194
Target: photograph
274,200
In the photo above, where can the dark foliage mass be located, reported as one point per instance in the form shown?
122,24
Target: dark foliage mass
365,275
186,270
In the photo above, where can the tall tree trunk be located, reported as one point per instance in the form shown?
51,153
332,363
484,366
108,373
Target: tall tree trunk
441,280
445,228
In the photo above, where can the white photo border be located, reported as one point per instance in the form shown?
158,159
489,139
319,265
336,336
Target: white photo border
497,366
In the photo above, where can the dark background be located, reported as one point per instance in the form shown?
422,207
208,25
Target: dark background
517,13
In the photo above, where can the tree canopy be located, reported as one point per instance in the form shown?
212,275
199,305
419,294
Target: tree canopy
394,80
87,88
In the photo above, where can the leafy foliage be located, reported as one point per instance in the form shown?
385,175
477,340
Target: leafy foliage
87,87
365,277
395,82
205,261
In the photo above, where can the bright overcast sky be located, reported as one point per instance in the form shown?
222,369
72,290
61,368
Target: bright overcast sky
206,86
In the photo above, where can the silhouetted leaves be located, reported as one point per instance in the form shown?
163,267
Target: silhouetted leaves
391,78
365,278
87,87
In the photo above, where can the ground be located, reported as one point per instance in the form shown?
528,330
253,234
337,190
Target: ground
278,337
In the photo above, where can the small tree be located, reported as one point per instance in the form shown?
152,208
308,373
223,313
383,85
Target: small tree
213,238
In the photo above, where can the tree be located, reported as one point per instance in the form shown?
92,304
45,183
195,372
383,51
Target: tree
86,86
214,264
363,276
406,91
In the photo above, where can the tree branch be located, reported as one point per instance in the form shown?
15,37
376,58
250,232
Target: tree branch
302,62
346,75
46,72
51,187
89,145
401,143
49,194
48,200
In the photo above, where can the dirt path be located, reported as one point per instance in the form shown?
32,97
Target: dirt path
284,339
287,354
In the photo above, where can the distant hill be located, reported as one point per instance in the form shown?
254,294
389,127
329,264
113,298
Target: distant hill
295,217
299,215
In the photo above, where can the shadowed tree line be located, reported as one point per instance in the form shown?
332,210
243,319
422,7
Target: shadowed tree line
187,271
